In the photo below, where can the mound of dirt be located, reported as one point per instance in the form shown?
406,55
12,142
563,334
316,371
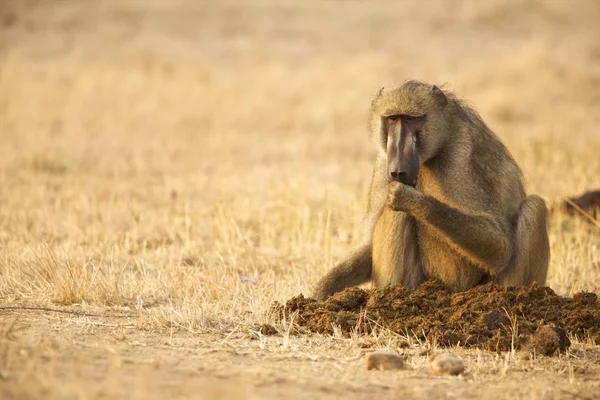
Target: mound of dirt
489,317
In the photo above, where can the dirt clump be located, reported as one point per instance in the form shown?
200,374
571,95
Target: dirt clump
256,330
549,339
488,316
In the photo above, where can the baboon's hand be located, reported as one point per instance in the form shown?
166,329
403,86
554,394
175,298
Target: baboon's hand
402,197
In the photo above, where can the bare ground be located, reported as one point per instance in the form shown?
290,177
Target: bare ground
82,357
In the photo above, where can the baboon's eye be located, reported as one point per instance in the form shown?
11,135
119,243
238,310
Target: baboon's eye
394,118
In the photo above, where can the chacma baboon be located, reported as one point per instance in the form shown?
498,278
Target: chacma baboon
588,204
446,201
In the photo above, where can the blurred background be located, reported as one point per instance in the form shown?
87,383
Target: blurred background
281,89
233,134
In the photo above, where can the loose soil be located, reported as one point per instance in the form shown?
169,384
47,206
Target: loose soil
489,317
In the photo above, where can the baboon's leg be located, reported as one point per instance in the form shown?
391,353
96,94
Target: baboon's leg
395,250
354,270
532,250
357,267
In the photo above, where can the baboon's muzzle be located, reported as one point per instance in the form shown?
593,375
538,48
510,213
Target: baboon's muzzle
407,178
403,163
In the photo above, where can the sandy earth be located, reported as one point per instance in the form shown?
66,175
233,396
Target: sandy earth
83,357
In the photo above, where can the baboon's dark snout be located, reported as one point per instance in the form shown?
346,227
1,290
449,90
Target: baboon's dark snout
403,177
396,176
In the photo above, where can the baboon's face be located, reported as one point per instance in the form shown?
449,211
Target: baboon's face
402,149
410,125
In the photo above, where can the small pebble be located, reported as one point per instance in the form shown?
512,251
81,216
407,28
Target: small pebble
446,364
384,360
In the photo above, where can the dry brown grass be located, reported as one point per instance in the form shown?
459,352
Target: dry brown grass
188,163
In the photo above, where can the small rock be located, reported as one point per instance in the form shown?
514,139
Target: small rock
445,364
550,339
384,360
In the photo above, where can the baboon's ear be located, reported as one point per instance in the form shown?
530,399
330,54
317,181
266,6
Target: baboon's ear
439,96
377,96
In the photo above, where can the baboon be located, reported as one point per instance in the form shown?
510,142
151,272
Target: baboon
446,201
588,204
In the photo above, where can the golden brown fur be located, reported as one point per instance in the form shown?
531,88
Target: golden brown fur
466,221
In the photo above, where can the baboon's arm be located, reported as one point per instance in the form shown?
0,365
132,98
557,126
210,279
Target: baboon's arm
377,196
480,237
354,270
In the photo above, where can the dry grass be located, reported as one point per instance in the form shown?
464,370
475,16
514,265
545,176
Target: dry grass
189,163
